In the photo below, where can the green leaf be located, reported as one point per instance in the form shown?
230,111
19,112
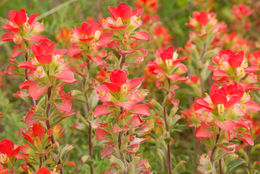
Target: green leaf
205,72
157,106
254,149
174,171
209,54
173,120
65,150
233,165
117,161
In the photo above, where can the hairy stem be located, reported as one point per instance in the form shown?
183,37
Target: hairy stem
119,147
48,114
202,88
214,148
48,108
26,70
88,115
168,144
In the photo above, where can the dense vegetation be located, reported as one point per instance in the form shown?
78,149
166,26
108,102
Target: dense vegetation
129,87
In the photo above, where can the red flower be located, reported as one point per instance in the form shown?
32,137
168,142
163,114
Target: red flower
66,75
241,11
34,90
201,17
38,130
117,78
43,52
236,59
124,12
7,147
21,26
218,95
43,170
35,134
85,33
16,18
167,53
140,35
100,134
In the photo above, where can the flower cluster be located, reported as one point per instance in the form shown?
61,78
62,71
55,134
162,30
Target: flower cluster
233,66
120,100
45,72
211,85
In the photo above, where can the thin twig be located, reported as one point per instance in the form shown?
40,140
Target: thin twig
220,167
55,9
40,165
122,61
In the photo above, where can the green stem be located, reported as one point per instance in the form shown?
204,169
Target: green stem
26,70
168,144
214,148
202,89
88,115
119,149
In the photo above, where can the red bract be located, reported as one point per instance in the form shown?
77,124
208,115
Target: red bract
22,27
150,6
117,78
232,66
34,90
201,19
236,59
166,68
17,17
43,170
124,12
35,134
43,52
119,92
38,130
7,147
218,95
64,36
241,11
226,107
66,75
162,33
86,32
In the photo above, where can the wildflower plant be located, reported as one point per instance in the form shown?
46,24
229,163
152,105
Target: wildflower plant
114,95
